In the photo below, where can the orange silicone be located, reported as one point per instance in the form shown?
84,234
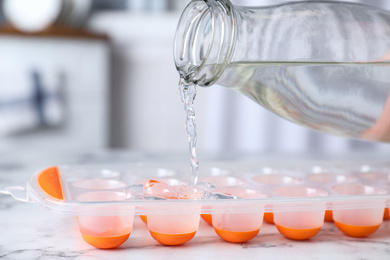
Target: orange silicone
49,181
172,239
328,216
144,219
105,242
269,217
207,218
356,231
236,237
298,234
386,215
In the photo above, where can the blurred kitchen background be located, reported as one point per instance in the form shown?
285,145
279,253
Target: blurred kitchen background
93,74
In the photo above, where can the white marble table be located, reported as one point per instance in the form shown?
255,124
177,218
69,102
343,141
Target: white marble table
29,232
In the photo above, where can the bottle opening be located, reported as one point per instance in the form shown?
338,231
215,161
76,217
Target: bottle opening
204,41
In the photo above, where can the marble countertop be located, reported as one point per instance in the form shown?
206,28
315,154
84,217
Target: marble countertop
29,232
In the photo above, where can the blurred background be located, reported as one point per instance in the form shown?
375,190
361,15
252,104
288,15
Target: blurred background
94,74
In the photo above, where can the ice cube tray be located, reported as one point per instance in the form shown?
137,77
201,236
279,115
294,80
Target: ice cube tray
233,197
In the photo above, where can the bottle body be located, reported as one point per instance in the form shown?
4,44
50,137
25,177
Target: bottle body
319,64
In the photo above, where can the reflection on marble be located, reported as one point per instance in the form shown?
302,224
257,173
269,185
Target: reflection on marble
29,232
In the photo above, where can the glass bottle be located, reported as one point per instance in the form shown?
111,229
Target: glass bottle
324,65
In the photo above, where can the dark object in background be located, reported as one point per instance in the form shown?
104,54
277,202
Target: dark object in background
38,97
108,5
26,108
139,5
2,17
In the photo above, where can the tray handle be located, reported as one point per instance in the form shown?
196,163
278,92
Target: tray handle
18,192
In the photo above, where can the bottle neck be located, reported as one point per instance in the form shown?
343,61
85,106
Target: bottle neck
204,41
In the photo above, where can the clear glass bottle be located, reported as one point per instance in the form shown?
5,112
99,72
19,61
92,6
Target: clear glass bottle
324,65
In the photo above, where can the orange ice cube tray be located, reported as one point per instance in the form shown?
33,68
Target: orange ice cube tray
233,197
